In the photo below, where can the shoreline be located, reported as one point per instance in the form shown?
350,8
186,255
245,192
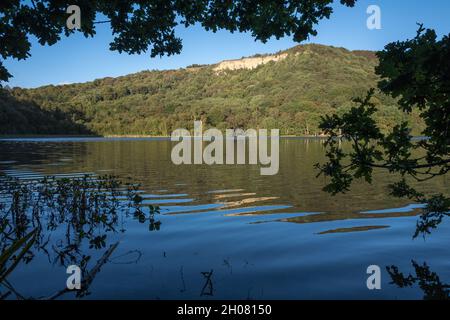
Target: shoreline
57,136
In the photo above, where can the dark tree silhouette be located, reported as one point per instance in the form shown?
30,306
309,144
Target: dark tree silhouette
416,72
140,25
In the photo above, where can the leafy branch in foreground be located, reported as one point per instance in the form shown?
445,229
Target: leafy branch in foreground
138,26
416,73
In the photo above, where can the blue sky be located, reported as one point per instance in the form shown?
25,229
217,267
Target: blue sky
77,59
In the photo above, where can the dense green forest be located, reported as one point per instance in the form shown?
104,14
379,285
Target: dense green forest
291,94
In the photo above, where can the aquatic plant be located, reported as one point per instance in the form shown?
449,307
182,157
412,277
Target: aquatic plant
64,218
14,254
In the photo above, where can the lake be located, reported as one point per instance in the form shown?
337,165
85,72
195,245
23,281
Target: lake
227,232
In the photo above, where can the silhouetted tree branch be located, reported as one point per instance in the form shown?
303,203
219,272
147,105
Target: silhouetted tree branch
138,26
416,73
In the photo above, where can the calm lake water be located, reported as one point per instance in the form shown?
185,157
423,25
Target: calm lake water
226,232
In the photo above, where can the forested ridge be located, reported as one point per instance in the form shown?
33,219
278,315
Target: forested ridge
291,95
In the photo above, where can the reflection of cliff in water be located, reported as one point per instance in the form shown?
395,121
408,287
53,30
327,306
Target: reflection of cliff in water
264,237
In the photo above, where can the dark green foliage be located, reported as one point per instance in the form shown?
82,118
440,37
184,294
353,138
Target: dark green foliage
21,116
416,72
291,95
138,26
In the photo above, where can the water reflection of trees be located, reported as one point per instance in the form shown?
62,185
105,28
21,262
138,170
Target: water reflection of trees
69,220
429,282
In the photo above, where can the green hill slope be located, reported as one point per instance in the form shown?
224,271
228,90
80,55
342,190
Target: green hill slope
290,94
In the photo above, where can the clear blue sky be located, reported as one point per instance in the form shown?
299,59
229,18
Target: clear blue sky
77,59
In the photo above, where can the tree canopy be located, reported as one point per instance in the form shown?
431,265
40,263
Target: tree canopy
138,26
413,72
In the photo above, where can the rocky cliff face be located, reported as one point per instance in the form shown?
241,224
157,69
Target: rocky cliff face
248,63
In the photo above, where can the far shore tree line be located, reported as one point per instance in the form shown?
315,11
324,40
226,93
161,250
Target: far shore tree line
291,95
309,92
